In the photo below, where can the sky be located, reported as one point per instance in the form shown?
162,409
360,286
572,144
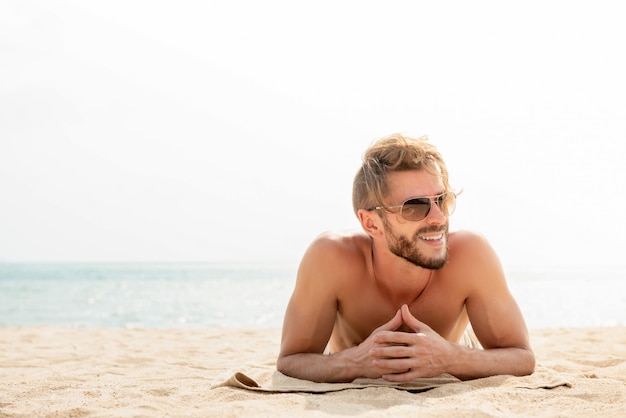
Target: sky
231,131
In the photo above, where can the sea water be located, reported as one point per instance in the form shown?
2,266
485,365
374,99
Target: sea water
162,295
144,294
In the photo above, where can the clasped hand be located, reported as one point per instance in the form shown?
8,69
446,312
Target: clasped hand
398,356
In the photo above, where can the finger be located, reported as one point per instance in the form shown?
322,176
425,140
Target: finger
408,318
392,324
395,365
394,338
390,352
401,377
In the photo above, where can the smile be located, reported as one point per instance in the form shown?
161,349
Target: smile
432,237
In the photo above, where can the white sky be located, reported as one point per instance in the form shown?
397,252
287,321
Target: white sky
230,131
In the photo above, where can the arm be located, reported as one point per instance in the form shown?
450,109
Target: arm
343,366
495,318
310,318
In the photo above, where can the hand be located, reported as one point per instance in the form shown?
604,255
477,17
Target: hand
410,355
361,358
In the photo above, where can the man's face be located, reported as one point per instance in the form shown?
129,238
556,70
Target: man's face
423,243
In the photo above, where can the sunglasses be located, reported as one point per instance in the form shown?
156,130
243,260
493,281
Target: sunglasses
418,208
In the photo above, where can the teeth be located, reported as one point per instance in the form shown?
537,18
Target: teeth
433,238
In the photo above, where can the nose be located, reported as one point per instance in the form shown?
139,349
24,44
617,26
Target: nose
435,214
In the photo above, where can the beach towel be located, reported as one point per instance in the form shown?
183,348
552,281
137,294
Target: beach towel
268,379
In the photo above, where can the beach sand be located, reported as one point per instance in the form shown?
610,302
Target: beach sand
65,372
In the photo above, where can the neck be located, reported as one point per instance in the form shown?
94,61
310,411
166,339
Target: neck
401,280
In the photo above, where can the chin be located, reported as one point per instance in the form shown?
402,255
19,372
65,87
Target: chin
435,264
430,264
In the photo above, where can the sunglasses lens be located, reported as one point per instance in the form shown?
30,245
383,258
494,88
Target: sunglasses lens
416,209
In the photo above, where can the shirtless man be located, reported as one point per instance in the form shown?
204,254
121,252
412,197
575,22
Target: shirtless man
394,302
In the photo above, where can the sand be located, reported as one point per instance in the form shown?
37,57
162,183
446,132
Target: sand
64,372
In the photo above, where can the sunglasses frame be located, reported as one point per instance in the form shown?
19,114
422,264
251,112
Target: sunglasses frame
431,200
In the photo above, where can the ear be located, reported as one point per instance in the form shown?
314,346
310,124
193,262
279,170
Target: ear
370,222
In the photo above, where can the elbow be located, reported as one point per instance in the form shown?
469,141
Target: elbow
532,362
282,364
527,363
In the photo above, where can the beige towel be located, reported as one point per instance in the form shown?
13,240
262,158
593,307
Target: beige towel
267,379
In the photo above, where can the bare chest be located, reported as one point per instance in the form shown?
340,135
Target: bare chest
368,309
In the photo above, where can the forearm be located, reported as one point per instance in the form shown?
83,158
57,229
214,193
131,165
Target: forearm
475,363
318,367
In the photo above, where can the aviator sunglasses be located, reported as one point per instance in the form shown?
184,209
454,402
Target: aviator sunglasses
418,208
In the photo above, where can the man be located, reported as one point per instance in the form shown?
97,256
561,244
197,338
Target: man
394,302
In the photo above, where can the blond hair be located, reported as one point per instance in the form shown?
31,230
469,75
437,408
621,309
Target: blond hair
392,154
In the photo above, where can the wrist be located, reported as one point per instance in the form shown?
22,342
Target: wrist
343,366
464,362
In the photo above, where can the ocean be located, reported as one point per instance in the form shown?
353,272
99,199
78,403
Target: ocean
246,295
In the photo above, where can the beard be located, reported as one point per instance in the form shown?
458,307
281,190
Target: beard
407,249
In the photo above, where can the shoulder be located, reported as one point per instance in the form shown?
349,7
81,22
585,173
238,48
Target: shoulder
333,254
465,236
466,244
340,245
472,256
